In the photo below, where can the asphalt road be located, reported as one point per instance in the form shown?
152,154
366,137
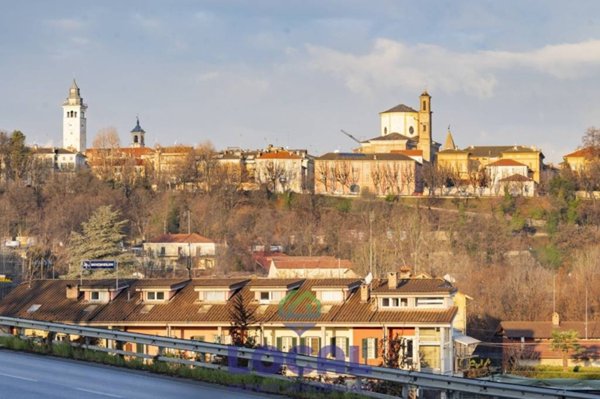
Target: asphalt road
24,376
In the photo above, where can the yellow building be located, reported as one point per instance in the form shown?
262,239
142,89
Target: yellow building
579,159
474,159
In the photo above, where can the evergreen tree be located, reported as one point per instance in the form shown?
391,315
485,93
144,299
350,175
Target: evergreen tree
101,238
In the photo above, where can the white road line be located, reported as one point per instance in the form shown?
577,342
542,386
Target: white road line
18,377
99,393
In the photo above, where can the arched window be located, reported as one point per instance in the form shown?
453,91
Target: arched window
424,105
135,139
74,114
385,130
411,130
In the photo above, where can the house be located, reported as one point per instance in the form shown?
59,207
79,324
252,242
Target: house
529,342
190,250
285,170
580,159
508,175
310,267
58,159
355,173
474,159
343,318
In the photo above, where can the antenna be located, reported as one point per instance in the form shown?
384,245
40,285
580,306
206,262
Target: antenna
349,135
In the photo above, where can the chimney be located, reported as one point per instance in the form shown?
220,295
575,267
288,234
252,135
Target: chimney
365,293
72,291
555,319
405,272
392,280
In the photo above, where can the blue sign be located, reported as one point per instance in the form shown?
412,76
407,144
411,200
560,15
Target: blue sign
94,264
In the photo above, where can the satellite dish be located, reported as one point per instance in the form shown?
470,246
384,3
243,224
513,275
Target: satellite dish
449,278
369,278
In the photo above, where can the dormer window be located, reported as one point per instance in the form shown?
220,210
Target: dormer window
155,296
265,297
430,302
98,296
332,296
213,296
394,302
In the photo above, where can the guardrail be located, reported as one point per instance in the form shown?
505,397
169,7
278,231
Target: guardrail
265,361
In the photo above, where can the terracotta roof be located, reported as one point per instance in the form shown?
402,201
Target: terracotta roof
506,162
162,283
310,262
516,178
185,306
279,155
264,259
413,153
354,156
400,108
543,329
193,238
586,152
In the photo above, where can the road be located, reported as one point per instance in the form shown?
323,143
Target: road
27,376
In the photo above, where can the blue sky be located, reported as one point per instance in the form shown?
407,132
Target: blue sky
293,73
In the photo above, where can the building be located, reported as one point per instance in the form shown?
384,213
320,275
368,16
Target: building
356,173
138,135
284,170
184,250
474,159
58,159
310,267
528,343
345,318
74,121
580,159
412,127
508,175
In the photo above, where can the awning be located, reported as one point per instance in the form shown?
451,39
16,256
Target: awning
466,340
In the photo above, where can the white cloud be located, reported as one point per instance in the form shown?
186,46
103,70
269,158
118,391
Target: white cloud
392,64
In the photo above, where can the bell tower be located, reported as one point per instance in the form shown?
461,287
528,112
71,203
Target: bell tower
425,126
137,135
74,121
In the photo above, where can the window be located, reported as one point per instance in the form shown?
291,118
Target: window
340,344
311,345
411,130
385,130
286,344
162,251
213,296
332,296
265,296
430,302
97,296
430,356
155,296
369,348
394,302
424,105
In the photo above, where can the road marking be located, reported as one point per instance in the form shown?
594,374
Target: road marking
19,378
99,393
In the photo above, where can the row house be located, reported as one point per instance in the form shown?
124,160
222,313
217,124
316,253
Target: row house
529,343
342,318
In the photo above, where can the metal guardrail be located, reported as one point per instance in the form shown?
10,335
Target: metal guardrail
301,364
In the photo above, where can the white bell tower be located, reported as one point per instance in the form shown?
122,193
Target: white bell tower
74,122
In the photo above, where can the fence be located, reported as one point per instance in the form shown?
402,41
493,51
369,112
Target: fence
261,361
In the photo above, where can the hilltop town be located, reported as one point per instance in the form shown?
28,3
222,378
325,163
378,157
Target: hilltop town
470,239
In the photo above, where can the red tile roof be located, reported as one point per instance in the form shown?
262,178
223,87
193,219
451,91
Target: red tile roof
193,238
587,152
279,155
506,162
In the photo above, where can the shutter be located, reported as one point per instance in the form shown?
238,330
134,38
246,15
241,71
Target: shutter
376,349
303,349
294,345
318,349
279,344
365,348
332,350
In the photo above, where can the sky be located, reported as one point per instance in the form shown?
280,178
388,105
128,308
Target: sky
293,73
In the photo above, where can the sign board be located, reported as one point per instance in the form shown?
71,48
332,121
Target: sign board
95,264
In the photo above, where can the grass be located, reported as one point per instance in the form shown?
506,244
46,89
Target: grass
545,372
290,388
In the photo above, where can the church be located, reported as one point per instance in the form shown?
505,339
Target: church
406,131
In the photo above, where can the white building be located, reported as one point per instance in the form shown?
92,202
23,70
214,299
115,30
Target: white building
74,122
173,249
310,267
58,159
